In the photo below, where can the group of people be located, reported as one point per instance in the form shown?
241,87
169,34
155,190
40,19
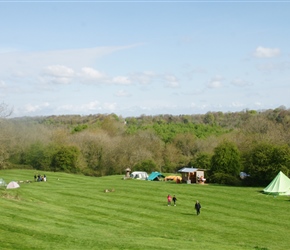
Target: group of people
40,177
169,199
197,205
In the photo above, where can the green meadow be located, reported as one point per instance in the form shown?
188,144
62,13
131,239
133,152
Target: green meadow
73,212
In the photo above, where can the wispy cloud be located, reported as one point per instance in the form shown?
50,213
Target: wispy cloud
143,78
240,82
122,93
270,66
171,81
2,84
31,62
262,52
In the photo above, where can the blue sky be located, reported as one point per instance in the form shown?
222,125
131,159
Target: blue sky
143,57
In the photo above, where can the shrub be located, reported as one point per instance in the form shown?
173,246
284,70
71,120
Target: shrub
226,179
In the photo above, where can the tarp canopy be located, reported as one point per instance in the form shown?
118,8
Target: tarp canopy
280,185
154,176
12,184
187,170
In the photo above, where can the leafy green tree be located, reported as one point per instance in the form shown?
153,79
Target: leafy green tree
202,160
209,118
226,159
281,159
66,159
79,128
39,156
185,143
264,161
147,166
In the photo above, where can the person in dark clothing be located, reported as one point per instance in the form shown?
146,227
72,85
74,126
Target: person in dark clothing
174,200
197,207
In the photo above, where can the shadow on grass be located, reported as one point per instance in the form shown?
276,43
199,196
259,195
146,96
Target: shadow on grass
189,214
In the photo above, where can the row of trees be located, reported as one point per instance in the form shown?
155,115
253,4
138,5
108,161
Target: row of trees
223,143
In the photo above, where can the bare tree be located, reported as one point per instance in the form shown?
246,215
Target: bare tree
5,111
4,155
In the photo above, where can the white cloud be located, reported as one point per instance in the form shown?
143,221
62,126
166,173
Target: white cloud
59,71
30,108
110,107
58,74
90,106
92,74
143,78
263,52
123,80
240,82
2,84
122,93
200,106
32,63
93,106
281,66
236,104
171,81
215,82
258,104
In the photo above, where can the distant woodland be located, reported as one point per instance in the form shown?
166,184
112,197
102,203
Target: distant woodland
254,142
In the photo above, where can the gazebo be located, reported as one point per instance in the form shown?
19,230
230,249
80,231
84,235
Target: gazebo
192,175
128,171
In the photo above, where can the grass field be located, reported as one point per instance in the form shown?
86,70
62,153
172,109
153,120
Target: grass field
73,212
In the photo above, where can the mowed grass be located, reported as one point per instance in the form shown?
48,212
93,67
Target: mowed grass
73,212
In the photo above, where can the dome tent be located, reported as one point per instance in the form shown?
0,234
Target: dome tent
12,184
155,176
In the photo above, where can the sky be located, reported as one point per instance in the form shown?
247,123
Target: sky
134,58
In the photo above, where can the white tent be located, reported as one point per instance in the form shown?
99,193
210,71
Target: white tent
280,185
139,175
12,184
2,183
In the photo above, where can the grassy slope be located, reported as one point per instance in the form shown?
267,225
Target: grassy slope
73,212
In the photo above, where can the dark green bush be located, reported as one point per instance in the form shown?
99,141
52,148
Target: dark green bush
225,179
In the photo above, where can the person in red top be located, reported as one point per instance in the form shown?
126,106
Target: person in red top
169,200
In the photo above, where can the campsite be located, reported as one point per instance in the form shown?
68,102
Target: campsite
72,211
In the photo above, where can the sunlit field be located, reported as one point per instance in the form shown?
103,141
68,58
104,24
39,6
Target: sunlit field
73,212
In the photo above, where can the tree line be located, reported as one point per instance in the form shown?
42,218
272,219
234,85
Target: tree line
255,142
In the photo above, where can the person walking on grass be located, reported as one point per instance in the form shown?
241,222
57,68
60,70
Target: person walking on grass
169,200
174,200
197,207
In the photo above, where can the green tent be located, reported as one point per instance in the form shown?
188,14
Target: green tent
155,176
280,185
